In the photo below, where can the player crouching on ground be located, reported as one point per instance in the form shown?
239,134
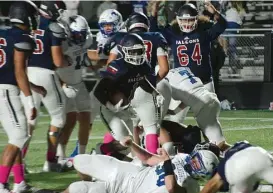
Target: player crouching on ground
78,100
241,170
162,174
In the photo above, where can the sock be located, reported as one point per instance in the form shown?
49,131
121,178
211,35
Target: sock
108,137
169,148
61,151
151,141
104,148
82,149
18,172
51,156
4,171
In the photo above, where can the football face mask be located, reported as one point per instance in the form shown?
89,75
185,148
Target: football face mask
134,55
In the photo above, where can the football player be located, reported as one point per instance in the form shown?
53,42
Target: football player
191,51
48,56
78,100
125,76
16,45
156,52
162,173
241,170
110,22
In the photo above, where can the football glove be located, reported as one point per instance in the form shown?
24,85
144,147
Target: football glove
70,91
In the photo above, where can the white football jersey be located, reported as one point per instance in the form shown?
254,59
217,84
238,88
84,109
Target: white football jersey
184,76
152,178
77,57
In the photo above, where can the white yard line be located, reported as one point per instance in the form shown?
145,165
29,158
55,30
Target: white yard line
44,141
248,128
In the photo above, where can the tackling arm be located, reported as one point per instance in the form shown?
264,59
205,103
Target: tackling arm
213,185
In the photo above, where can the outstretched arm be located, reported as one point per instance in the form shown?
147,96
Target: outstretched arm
213,185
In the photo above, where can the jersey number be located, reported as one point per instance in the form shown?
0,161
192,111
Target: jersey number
184,58
80,61
3,42
39,44
161,176
187,73
149,47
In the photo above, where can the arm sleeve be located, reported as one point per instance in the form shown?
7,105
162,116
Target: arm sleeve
25,43
217,29
162,49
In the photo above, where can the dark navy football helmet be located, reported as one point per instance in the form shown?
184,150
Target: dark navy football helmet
137,22
25,13
133,48
187,17
50,10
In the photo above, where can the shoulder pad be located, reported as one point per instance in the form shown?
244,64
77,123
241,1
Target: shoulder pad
25,43
57,29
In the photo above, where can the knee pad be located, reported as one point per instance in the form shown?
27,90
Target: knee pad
78,187
53,133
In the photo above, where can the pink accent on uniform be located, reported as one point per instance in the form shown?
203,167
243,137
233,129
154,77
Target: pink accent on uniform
51,156
151,142
108,137
18,172
105,149
4,171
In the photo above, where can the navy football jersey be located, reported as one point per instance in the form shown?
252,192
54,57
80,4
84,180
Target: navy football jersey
10,39
239,146
44,40
128,77
192,49
152,40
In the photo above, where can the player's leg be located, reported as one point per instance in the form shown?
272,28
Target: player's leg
54,102
83,105
14,123
98,165
266,173
208,119
146,108
165,89
87,187
71,119
243,174
115,122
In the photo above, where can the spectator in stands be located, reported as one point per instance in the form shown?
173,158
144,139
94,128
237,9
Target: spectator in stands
125,8
106,5
140,6
234,15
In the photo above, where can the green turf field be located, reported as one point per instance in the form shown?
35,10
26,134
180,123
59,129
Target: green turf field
254,126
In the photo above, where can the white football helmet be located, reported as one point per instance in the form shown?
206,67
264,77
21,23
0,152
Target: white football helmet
112,18
79,29
202,164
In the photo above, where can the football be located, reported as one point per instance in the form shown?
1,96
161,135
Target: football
116,96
